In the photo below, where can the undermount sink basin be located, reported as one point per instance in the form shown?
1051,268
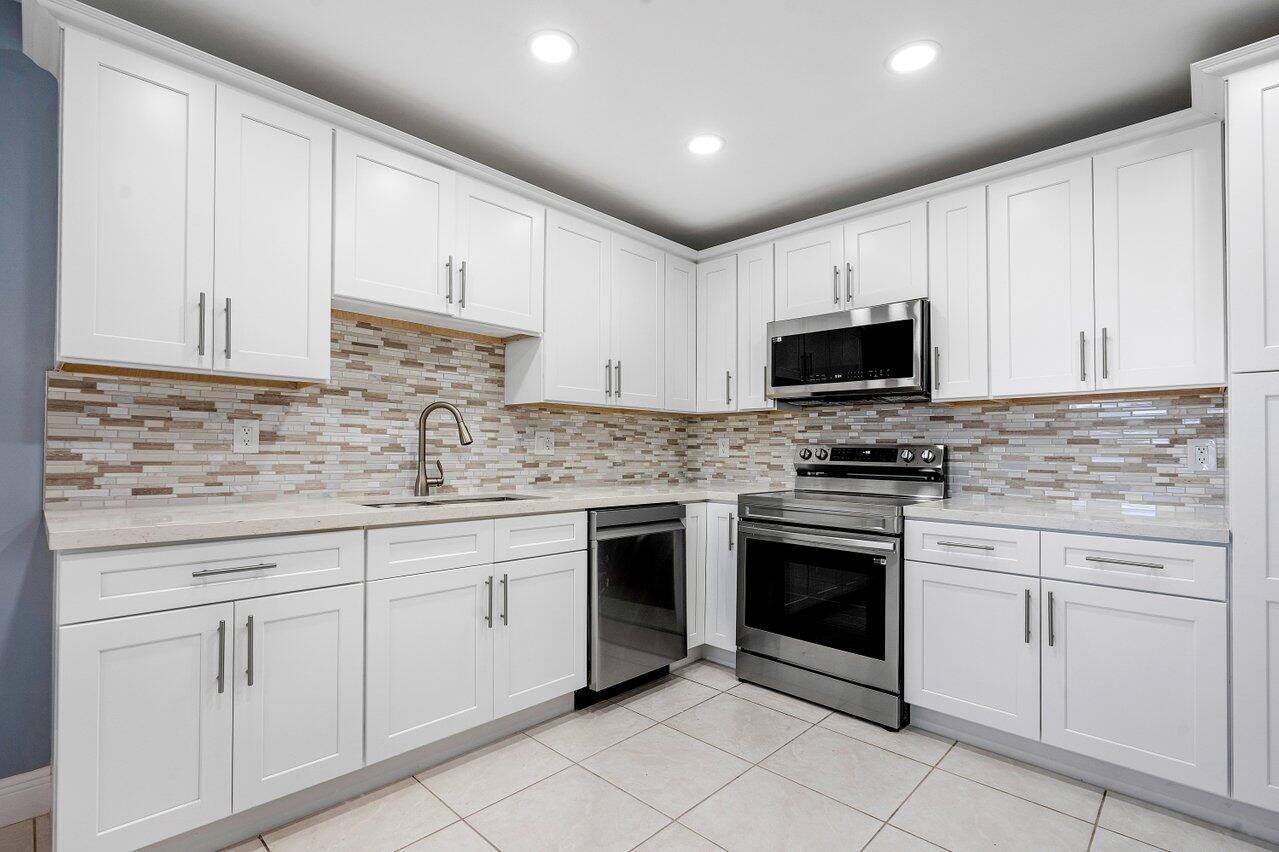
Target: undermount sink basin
404,502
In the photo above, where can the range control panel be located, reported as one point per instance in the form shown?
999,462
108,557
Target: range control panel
883,455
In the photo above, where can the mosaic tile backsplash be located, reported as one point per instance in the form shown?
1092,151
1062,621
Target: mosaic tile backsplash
122,441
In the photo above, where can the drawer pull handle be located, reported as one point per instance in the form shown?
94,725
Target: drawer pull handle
969,546
488,616
213,572
221,657
1027,631
1132,562
1052,632
506,597
248,671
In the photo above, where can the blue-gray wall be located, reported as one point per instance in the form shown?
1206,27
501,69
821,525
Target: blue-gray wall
28,276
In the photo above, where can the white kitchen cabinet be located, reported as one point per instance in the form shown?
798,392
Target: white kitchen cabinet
957,294
721,576
680,308
1137,679
638,323
1252,161
500,257
695,515
539,620
1254,525
429,671
137,187
393,221
809,273
1160,295
717,384
1041,282
754,313
299,691
886,257
972,645
272,235
144,721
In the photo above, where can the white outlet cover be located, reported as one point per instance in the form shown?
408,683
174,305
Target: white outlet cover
244,436
1201,454
721,445
543,444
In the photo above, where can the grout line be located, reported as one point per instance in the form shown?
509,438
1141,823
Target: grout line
1016,796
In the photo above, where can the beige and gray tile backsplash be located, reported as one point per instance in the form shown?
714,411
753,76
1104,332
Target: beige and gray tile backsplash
123,441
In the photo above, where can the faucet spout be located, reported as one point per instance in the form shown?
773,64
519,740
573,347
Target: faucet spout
422,487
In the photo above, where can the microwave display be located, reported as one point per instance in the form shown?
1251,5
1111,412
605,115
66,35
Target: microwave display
883,350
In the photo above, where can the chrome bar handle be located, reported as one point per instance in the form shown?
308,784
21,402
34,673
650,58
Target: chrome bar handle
448,295
732,534
1083,358
608,378
936,368
200,350
249,671
1051,633
1105,354
848,283
221,657
228,328
728,387
506,598
969,546
1028,616
461,300
618,368
488,584
1131,562
213,572
836,280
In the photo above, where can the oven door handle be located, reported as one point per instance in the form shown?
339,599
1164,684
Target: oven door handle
609,533
745,530
756,515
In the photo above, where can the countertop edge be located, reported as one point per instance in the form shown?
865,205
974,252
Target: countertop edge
1135,526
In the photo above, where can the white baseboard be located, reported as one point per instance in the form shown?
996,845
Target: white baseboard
25,796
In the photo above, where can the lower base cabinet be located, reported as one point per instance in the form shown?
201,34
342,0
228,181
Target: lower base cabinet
1137,679
695,572
721,576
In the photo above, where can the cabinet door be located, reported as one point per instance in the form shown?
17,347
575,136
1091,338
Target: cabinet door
1161,299
754,313
972,645
1254,596
638,317
136,259
957,294
501,244
578,365
1252,157
429,673
393,217
273,237
695,572
886,257
717,334
721,576
1041,295
809,273
539,650
1137,679
299,703
680,387
143,739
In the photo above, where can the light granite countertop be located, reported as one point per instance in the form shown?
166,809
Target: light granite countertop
173,522
1207,526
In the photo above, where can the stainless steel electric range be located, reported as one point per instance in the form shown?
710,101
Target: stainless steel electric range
819,576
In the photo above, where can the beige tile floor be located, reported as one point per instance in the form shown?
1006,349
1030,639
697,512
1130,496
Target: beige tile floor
698,761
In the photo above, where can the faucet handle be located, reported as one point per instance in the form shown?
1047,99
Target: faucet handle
437,480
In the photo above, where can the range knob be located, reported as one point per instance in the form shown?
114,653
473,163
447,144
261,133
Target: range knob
927,456
806,454
822,454
907,455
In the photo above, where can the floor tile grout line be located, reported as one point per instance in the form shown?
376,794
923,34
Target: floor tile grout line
886,749
953,774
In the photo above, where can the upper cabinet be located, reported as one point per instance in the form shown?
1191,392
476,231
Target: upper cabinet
681,335
754,313
957,294
1041,282
717,382
1160,295
501,240
886,257
809,277
638,321
1252,137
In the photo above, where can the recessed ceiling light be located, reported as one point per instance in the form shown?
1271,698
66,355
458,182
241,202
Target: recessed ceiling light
552,46
707,143
913,56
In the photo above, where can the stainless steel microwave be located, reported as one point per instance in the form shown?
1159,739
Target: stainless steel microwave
847,356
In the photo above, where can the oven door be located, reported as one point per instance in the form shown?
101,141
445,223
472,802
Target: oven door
878,350
825,600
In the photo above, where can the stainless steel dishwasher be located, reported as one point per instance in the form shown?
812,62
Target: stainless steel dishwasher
638,613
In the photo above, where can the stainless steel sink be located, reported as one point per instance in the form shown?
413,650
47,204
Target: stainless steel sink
404,502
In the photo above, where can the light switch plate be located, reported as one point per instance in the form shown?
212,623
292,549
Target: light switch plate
244,436
543,444
1201,454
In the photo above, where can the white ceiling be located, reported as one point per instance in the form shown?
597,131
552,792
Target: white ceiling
798,88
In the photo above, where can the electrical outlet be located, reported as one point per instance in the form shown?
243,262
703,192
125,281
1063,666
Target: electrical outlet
244,436
721,444
1201,454
543,444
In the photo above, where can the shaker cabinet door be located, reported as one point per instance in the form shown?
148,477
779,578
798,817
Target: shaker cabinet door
957,294
886,257
680,333
637,308
718,382
809,274
501,244
578,364
754,313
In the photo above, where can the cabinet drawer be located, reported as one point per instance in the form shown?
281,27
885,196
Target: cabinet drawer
401,551
1193,570
108,583
538,535
1009,549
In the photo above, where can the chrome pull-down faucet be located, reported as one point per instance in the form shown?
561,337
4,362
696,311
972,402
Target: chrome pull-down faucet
422,487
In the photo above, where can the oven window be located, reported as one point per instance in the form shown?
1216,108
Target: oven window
883,350
815,594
